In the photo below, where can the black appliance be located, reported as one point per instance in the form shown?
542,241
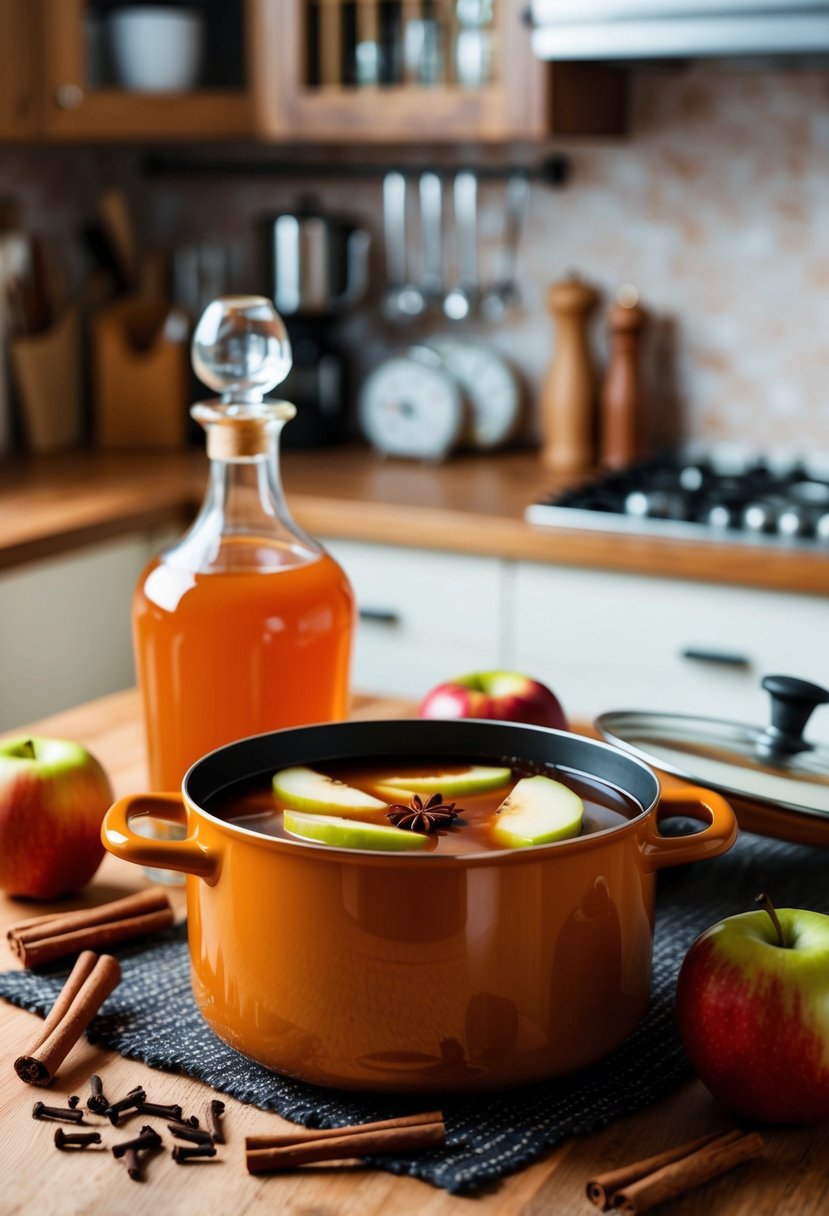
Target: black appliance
317,271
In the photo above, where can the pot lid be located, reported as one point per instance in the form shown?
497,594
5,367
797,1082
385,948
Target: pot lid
771,764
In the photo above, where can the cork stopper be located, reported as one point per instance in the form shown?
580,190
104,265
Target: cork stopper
241,349
241,432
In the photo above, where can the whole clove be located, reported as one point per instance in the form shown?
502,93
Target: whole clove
196,1135
97,1101
149,1138
163,1112
213,1118
183,1153
131,1102
130,1160
73,1101
71,1140
59,1113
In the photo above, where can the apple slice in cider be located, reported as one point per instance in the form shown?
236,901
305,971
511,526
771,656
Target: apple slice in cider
305,790
351,833
537,811
476,779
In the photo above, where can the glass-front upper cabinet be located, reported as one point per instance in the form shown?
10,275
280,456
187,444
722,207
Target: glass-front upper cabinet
120,69
388,71
413,70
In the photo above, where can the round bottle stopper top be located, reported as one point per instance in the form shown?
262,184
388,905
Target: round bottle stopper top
241,348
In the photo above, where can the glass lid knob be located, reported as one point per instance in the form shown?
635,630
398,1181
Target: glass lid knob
241,348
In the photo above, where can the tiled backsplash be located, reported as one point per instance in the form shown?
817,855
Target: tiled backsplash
716,205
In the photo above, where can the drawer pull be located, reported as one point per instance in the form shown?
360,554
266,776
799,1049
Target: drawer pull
723,658
380,616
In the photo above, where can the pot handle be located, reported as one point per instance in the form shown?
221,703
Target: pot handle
186,855
696,803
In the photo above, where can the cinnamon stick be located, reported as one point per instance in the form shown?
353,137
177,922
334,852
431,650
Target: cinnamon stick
686,1174
302,1135
405,1139
601,1189
42,939
79,1000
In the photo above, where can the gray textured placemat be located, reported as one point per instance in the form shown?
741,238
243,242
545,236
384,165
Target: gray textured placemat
152,1017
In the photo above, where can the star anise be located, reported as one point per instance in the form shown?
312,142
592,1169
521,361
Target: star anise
420,816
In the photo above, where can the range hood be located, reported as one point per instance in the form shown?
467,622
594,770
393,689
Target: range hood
670,29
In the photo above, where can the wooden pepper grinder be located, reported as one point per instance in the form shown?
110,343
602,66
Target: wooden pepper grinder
621,398
568,394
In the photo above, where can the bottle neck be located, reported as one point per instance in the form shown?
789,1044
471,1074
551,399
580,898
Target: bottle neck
244,523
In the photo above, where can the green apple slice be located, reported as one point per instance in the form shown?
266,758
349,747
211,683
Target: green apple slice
476,779
352,833
538,811
305,790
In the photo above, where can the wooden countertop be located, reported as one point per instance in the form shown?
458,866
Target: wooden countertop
473,504
790,1180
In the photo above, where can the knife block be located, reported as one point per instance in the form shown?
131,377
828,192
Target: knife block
47,372
140,375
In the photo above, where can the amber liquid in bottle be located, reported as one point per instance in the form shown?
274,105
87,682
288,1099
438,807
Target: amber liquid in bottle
245,624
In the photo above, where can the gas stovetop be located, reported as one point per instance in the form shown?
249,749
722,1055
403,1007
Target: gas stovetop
693,496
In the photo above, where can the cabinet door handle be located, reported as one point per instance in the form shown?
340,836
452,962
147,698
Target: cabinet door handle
380,616
722,658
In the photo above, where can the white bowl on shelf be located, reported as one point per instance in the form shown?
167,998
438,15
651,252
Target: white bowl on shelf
157,50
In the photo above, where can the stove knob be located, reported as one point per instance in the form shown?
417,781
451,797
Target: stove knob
795,522
720,516
822,529
760,517
656,504
692,478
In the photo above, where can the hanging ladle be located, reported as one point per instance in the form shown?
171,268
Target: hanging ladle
503,295
402,300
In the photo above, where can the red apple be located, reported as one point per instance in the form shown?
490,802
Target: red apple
53,796
753,1007
506,696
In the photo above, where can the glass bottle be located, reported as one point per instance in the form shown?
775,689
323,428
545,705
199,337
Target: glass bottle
245,624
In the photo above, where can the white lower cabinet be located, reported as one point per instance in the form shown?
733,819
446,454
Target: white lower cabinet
601,640
65,628
617,641
424,615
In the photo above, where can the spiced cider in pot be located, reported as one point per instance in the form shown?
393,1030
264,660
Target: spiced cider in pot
460,809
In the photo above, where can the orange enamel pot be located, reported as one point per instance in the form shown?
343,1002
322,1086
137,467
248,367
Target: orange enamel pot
416,971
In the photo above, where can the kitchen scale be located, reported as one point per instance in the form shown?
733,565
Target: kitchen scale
435,397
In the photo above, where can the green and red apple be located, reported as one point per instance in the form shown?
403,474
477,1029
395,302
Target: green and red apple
53,797
506,696
752,1002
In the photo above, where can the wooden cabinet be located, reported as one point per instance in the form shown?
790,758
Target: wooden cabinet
295,70
19,85
82,99
312,81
